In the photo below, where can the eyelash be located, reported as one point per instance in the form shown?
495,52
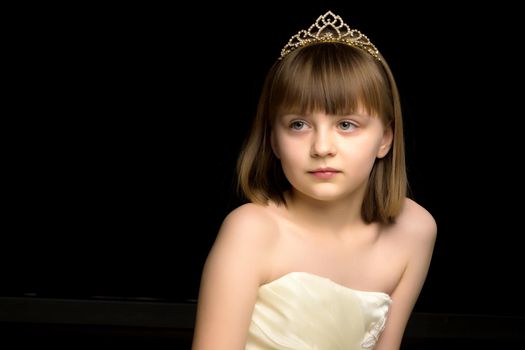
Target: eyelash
295,122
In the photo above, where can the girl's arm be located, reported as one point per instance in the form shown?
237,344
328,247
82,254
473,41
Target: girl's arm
232,274
418,230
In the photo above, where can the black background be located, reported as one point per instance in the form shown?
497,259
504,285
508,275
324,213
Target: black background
125,125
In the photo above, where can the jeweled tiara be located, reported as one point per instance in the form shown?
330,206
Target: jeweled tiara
330,28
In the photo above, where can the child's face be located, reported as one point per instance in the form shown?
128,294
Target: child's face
349,145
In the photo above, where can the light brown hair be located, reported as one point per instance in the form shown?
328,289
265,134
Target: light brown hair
336,79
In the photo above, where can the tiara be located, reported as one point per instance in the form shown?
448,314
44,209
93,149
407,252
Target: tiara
330,28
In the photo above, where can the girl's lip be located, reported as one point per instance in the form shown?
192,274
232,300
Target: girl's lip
325,170
325,174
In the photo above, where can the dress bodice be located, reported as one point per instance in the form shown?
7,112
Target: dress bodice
304,311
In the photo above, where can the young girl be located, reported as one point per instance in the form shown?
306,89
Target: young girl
329,254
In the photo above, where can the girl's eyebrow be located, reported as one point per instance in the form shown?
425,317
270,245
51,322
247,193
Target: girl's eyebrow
345,115
292,115
358,115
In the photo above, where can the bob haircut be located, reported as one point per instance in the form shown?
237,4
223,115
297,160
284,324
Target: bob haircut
336,79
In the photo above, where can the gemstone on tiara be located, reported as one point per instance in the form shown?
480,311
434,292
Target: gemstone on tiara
330,28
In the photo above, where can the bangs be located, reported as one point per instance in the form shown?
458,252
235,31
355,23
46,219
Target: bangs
333,78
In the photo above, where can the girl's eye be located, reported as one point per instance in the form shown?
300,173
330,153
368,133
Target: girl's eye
347,125
297,125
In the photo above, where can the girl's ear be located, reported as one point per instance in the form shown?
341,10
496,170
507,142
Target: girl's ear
275,149
386,142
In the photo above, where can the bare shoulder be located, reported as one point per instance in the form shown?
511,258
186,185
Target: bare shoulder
248,214
417,222
244,241
250,225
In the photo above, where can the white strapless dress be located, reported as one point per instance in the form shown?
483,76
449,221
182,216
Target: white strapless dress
304,311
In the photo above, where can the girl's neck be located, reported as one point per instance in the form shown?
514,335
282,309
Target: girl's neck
325,216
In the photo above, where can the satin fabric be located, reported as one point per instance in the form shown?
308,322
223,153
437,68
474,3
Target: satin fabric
304,311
